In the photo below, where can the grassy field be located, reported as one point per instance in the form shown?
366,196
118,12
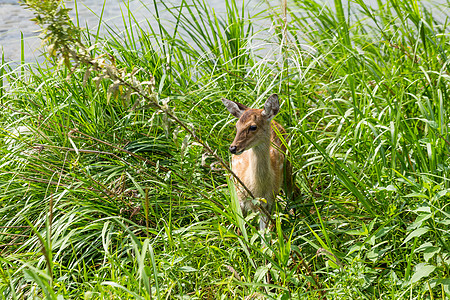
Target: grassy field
111,185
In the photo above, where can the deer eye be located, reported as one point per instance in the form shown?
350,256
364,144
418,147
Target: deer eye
252,128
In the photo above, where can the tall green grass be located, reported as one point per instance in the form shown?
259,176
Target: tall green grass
104,196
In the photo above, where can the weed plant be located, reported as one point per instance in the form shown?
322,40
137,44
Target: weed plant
111,185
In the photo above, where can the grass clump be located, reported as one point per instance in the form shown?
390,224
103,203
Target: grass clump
111,178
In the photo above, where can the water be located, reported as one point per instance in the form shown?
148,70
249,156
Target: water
15,19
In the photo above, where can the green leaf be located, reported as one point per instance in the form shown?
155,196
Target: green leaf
356,247
423,247
430,252
416,233
441,194
260,273
362,231
416,195
187,269
419,220
373,254
422,270
422,209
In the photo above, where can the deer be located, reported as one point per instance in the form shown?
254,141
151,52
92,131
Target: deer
258,156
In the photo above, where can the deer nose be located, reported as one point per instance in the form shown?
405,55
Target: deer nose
233,149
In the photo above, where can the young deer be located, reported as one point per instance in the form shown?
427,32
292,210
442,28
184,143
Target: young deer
258,154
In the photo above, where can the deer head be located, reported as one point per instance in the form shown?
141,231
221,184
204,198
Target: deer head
253,126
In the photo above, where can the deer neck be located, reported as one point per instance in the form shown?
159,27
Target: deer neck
260,163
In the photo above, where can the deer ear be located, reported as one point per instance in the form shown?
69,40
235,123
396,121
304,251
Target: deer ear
235,108
271,107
